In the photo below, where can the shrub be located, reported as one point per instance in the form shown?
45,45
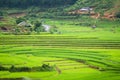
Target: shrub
12,69
46,67
53,29
3,68
24,69
117,14
38,27
16,31
1,13
19,20
19,69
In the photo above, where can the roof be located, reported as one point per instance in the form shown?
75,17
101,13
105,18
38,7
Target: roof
24,24
86,9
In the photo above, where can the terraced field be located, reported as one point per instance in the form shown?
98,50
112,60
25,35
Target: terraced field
74,57
60,41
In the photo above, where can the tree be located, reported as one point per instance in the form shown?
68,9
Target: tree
38,27
19,20
117,14
1,13
53,30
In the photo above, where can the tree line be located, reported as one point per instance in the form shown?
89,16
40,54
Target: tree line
41,3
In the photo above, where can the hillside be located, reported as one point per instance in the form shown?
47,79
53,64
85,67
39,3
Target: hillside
105,7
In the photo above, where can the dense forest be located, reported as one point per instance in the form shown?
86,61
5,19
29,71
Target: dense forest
41,3
100,5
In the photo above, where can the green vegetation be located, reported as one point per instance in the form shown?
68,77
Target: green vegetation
118,14
44,67
19,20
28,3
38,27
42,41
98,4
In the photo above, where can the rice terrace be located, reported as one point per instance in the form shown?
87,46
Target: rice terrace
59,40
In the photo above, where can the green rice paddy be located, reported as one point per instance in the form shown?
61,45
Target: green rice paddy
79,53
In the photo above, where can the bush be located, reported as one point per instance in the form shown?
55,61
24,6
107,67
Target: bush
118,15
12,69
25,69
44,67
16,31
19,20
19,69
53,29
3,68
1,13
38,27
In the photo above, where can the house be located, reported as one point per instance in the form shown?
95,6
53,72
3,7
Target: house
86,9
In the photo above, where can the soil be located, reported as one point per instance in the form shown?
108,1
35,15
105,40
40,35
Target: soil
18,15
58,70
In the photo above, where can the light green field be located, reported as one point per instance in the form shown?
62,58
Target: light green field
69,62
79,52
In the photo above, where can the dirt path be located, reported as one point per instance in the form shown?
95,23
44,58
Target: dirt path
18,15
58,70
96,16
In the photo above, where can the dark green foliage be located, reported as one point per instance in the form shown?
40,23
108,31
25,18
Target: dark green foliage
1,13
44,67
38,27
12,79
58,15
3,68
32,15
18,20
118,15
27,3
19,69
38,24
